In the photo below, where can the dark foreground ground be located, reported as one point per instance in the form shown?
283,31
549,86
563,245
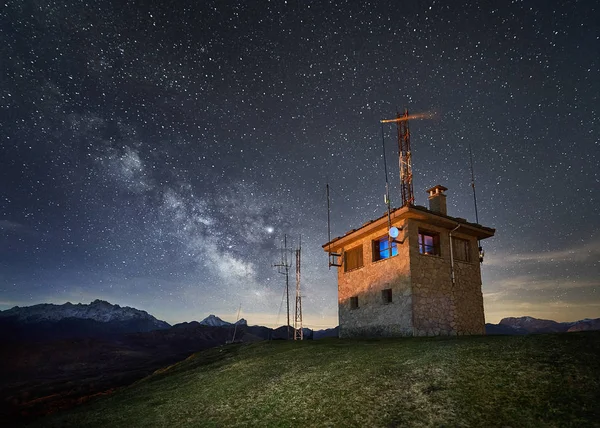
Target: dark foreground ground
494,381
42,377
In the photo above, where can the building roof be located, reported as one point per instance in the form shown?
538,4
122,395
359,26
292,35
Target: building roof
439,186
481,232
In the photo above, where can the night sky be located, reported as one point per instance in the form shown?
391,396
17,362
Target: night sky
153,154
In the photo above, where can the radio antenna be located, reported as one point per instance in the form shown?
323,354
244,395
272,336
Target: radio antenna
298,332
473,183
236,324
284,268
404,154
387,182
334,258
481,252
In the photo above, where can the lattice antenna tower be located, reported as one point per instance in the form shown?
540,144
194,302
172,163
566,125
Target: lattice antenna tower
405,160
298,333
405,157
283,268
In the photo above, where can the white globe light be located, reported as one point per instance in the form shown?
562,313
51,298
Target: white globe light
393,232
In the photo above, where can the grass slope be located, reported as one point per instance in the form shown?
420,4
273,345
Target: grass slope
539,380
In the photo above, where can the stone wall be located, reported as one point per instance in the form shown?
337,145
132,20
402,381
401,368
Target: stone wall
373,317
468,296
439,307
433,305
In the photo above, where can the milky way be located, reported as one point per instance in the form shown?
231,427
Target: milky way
154,155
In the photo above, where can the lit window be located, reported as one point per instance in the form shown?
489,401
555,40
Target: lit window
354,302
386,295
383,250
461,249
353,258
429,243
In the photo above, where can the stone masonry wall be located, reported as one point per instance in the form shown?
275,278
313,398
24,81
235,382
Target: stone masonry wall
439,307
373,317
468,296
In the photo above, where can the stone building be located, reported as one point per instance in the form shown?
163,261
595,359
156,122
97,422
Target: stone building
425,282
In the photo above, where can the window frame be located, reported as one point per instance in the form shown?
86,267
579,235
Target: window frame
435,236
376,248
466,248
360,262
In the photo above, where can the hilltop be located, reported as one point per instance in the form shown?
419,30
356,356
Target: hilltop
533,380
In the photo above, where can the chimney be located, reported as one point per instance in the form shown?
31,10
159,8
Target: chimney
437,199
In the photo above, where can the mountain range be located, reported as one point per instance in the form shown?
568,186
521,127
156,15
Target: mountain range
102,320
530,325
99,319
215,321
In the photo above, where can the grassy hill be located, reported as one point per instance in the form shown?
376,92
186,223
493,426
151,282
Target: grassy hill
494,381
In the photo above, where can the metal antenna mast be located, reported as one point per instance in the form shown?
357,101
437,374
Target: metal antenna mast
298,333
284,268
404,157
405,161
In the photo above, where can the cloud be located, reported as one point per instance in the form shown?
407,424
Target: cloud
589,251
11,226
538,282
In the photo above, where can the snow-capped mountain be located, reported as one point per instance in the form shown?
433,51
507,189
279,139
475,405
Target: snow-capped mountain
98,310
215,321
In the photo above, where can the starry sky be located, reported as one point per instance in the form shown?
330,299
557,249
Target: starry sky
154,154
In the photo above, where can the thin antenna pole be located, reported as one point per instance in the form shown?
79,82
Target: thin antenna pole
473,183
298,333
236,323
287,286
387,192
387,183
384,161
481,252
286,270
328,226
334,258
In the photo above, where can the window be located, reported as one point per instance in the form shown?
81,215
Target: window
353,258
386,295
461,249
429,243
354,302
383,250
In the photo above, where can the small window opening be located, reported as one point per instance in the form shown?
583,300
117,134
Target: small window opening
386,295
384,248
354,302
429,243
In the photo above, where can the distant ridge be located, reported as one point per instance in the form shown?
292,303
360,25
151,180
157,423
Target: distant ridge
48,321
98,310
215,321
531,325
